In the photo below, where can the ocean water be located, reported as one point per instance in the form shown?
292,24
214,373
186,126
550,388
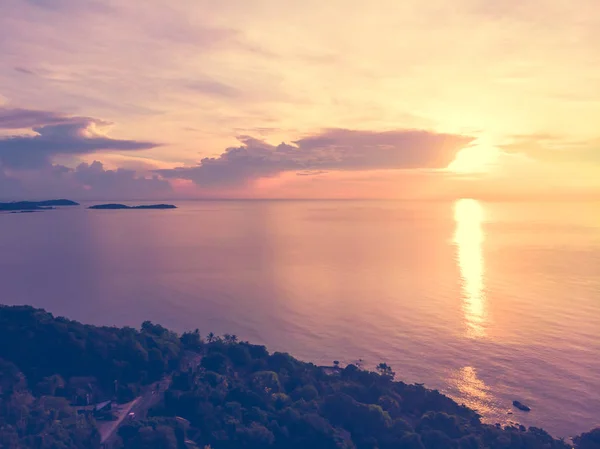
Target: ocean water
487,302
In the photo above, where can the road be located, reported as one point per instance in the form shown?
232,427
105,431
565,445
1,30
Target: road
108,428
151,396
140,406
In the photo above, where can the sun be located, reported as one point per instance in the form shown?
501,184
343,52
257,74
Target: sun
477,159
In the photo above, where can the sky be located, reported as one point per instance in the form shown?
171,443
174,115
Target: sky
111,99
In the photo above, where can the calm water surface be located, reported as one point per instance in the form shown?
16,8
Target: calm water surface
486,302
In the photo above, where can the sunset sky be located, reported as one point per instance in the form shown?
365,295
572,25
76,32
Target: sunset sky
300,99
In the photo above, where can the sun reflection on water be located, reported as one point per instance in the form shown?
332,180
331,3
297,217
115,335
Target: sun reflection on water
474,393
469,236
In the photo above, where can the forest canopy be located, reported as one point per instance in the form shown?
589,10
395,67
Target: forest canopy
238,395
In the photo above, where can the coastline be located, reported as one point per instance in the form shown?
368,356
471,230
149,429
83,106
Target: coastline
263,379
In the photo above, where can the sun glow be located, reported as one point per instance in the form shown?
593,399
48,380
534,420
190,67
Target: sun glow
478,159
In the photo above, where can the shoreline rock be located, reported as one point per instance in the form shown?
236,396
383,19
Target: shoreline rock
521,406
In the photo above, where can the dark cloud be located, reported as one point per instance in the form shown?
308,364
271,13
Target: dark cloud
10,187
17,118
343,149
254,159
118,183
55,134
91,181
335,149
66,6
25,70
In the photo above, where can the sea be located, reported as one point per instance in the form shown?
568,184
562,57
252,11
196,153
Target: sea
486,302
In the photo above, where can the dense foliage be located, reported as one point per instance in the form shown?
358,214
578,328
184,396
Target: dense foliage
589,440
42,345
35,205
244,397
236,395
42,422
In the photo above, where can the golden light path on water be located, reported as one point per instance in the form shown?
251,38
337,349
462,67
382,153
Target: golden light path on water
468,238
473,390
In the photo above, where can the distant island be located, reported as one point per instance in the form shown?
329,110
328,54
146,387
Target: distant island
123,206
59,379
36,205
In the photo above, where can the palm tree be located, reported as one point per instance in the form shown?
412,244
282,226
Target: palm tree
210,337
233,338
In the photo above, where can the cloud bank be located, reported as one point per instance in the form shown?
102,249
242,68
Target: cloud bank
91,181
26,159
54,134
334,149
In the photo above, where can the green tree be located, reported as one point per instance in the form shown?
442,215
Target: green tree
386,371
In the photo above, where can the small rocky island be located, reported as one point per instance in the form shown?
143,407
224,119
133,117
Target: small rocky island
123,206
35,205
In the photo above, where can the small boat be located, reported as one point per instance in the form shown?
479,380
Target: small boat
521,406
